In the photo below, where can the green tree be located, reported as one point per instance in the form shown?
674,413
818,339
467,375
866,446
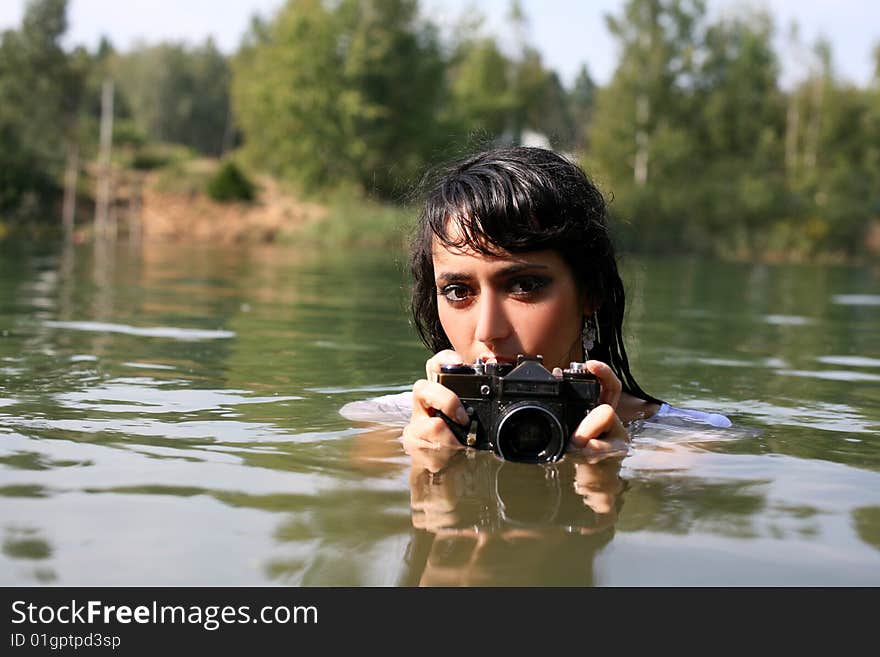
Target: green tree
498,96
341,94
40,94
582,102
647,96
481,97
540,102
289,94
178,94
393,74
738,122
737,89
641,139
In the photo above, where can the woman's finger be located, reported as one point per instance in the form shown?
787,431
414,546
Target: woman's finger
429,433
601,431
445,357
609,383
428,398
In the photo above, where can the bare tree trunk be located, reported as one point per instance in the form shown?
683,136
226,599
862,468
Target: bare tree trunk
112,210
811,152
643,115
135,206
71,174
792,128
103,201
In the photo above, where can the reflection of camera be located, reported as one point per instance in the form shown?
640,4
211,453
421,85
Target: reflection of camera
494,495
521,412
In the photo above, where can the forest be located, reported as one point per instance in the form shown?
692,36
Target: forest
694,139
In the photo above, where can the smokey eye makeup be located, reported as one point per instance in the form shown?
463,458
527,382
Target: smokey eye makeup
528,286
454,292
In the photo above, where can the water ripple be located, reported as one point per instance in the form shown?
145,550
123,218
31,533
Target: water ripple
853,361
142,395
831,375
787,320
173,332
857,299
821,416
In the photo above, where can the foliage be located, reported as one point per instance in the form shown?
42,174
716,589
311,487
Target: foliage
150,155
39,91
184,176
329,95
289,94
393,76
693,137
706,153
230,184
355,219
480,94
177,94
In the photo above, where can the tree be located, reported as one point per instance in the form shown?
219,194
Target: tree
177,94
480,95
641,137
738,122
40,95
540,102
646,100
341,94
393,75
582,102
289,94
737,89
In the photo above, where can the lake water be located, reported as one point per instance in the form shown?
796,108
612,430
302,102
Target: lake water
170,416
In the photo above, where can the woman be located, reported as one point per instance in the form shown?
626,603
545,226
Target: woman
512,256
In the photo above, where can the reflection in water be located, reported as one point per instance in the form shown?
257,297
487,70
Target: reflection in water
867,522
480,521
24,545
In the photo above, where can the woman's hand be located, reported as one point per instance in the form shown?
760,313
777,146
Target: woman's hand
601,434
610,386
426,429
599,484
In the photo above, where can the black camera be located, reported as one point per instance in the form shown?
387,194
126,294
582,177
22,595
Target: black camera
522,412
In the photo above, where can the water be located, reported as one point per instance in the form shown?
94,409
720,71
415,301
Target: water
169,416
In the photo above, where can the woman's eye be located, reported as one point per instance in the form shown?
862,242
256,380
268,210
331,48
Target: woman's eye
528,285
454,293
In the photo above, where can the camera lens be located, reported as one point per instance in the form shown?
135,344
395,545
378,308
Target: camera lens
529,432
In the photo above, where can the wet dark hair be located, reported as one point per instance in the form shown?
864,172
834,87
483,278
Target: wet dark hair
516,200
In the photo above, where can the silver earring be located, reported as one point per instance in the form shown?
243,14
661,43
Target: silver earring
588,335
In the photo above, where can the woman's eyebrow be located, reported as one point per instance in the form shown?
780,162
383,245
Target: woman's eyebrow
451,277
504,272
519,267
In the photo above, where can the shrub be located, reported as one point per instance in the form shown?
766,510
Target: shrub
230,184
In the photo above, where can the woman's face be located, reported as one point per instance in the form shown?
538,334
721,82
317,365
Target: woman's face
495,307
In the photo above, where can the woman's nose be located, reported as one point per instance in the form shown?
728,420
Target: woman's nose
492,323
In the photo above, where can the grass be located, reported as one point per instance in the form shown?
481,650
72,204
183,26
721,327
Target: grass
352,220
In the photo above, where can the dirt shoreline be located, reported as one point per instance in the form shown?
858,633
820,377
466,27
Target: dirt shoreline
177,216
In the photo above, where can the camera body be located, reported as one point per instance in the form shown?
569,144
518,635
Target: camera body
521,412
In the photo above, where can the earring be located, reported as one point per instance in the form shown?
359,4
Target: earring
588,335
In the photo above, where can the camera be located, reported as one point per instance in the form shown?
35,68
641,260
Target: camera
522,412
